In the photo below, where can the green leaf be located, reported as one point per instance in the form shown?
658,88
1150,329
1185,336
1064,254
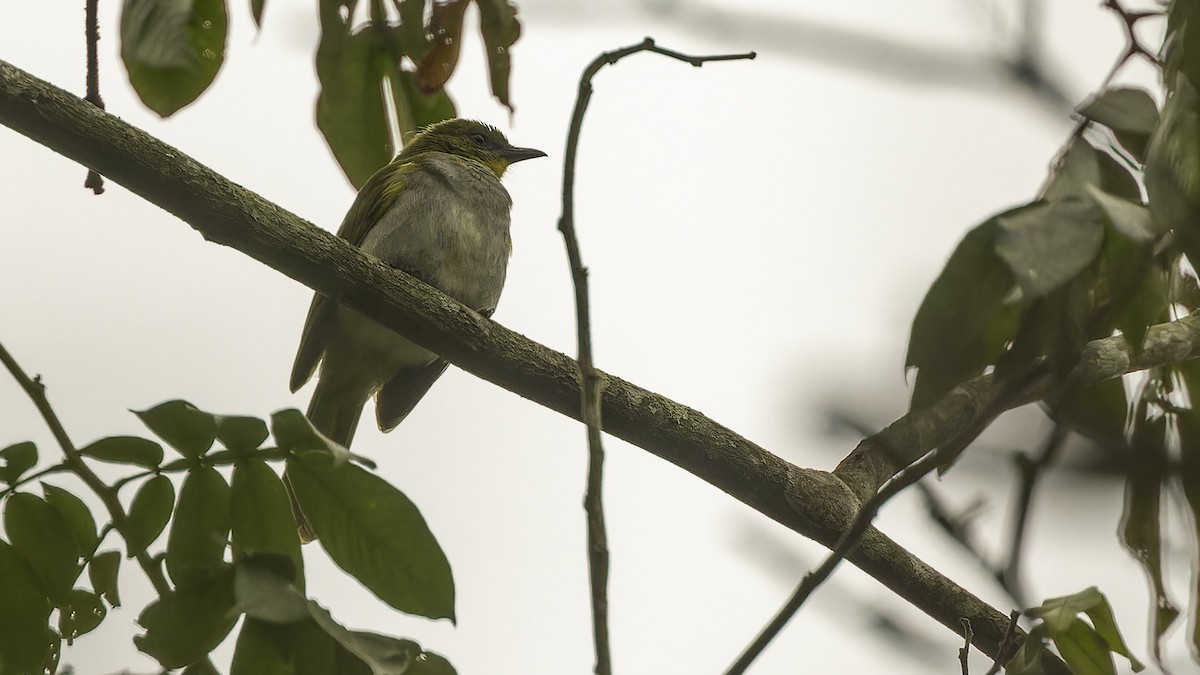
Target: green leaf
241,433
265,591
80,615
196,545
964,321
126,450
1140,527
257,651
24,614
372,531
18,458
256,10
202,667
1083,650
1132,220
414,109
1131,114
300,648
75,513
500,28
445,25
1048,244
384,654
103,573
1181,55
1173,167
172,49
44,539
149,513
431,663
183,426
1105,625
410,36
262,517
1188,423
294,432
351,113
1098,411
186,624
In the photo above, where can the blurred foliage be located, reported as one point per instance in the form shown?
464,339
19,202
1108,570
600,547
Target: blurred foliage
1108,247
383,66
231,549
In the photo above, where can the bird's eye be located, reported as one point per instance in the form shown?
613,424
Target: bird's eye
478,139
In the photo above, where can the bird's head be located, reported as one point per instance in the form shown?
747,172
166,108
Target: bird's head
471,139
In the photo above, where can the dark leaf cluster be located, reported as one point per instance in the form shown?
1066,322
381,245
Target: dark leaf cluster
231,552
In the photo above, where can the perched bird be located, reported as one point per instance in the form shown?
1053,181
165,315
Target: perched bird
438,212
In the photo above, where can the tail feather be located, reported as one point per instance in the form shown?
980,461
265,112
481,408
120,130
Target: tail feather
335,415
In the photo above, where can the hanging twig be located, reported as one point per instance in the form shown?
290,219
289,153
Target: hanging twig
591,381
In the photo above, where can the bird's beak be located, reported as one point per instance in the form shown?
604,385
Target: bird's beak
514,155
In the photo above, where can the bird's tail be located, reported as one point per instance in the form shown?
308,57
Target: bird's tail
336,416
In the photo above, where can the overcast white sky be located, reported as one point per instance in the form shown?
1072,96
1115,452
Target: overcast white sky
759,236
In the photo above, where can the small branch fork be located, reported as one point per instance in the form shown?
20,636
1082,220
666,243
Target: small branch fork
73,462
592,383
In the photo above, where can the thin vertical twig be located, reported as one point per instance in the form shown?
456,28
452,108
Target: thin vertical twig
94,181
591,382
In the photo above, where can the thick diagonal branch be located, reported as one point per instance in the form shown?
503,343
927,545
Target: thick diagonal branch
814,503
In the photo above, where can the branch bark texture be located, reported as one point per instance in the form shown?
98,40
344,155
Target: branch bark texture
816,504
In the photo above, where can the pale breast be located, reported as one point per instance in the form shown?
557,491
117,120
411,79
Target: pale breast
450,227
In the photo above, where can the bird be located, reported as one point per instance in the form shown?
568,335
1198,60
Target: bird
438,212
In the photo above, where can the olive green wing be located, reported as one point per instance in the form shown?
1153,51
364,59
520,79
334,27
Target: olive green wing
373,200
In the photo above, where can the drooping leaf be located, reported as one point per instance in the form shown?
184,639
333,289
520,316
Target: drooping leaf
182,425
1048,244
241,433
1083,650
257,651
81,614
415,110
24,614
1188,424
103,572
294,432
262,518
351,113
76,514
1173,168
172,49
1129,111
500,28
386,655
298,648
264,589
126,450
445,25
1140,527
411,38
149,513
44,539
186,624
1098,411
964,321
372,531
256,10
1062,624
196,545
1132,220
17,459
1181,53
